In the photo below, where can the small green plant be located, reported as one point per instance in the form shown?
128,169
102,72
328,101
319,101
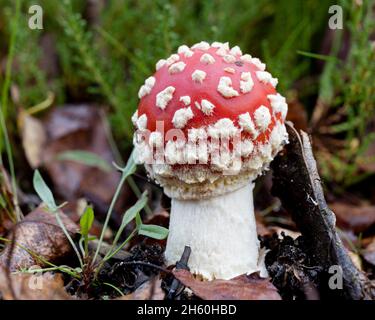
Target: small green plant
88,263
45,194
86,221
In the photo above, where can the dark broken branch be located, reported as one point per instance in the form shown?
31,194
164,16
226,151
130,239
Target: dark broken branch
297,183
180,265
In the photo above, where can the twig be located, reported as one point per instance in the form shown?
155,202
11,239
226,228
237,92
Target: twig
182,264
146,264
297,183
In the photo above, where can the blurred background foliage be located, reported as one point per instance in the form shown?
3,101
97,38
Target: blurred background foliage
101,52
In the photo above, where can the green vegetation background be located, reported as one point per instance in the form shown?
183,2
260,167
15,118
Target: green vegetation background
105,58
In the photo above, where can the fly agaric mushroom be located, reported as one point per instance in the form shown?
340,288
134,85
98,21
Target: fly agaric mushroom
207,109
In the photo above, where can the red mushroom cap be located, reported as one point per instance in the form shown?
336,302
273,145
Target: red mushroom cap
217,66
201,86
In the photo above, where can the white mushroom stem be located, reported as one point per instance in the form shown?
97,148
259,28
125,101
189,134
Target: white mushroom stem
221,232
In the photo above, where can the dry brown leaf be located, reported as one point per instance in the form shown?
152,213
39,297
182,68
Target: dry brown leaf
77,128
83,128
42,236
150,290
240,288
33,138
357,218
23,286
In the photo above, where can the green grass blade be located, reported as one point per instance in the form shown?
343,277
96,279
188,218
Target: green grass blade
153,231
43,191
129,215
86,221
86,158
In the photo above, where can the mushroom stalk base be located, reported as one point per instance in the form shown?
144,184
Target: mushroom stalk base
221,232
